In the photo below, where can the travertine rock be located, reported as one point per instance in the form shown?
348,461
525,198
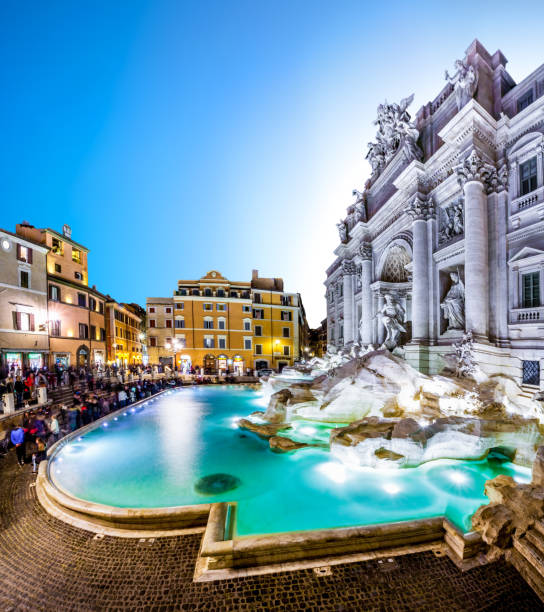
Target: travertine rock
495,522
264,431
538,468
384,453
280,444
277,408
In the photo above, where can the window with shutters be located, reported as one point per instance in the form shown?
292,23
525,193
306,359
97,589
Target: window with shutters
93,332
168,323
258,349
24,254
152,323
54,327
102,334
222,342
76,255
54,293
24,279
83,331
152,341
180,323
92,304
258,330
23,321
286,332
286,350
81,299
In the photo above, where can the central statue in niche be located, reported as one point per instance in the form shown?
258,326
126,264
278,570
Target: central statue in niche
454,303
391,316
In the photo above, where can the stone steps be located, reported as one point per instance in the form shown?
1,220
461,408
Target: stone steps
527,557
528,572
539,526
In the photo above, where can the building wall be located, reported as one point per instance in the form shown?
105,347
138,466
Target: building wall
123,335
474,155
22,344
190,320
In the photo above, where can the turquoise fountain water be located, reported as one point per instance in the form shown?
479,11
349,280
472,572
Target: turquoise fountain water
155,455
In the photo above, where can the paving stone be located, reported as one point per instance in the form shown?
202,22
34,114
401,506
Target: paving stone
46,564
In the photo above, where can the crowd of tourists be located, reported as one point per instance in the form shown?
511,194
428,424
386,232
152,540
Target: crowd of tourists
42,427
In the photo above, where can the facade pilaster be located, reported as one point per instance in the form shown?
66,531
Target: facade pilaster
477,178
365,252
348,272
420,210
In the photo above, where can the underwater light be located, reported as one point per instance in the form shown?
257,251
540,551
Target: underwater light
104,424
391,488
334,471
79,439
458,477
115,419
125,413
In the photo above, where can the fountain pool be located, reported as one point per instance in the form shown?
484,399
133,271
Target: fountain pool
184,448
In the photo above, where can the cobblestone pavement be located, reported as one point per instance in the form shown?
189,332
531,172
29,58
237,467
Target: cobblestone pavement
48,565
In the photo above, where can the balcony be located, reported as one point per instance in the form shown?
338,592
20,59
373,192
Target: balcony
527,315
527,201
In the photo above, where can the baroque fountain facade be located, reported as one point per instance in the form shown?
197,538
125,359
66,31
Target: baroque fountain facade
447,235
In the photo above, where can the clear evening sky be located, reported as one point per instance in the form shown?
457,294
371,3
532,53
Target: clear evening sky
178,137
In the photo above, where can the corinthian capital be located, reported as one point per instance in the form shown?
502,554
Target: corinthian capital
421,209
365,250
473,168
348,267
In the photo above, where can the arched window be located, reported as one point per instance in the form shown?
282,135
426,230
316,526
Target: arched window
221,323
247,324
208,323
179,322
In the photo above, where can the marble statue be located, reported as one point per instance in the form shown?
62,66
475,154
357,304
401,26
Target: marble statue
452,222
391,316
395,132
454,303
464,353
464,81
343,231
360,205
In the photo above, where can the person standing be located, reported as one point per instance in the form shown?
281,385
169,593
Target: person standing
18,440
54,427
19,388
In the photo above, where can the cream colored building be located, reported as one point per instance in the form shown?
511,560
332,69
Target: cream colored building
23,302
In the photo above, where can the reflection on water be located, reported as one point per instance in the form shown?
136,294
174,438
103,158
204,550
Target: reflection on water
154,456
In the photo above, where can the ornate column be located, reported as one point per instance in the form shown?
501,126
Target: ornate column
365,329
476,177
381,328
420,210
348,271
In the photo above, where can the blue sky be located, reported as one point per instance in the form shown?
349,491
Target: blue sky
178,137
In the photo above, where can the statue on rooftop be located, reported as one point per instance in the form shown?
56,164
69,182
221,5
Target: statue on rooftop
395,132
342,231
464,81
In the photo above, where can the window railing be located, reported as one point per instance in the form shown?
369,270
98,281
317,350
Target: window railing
527,315
528,201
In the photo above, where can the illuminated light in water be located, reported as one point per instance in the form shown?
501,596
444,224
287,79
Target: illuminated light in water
333,471
104,424
57,471
125,413
115,419
391,488
133,410
80,438
307,431
458,477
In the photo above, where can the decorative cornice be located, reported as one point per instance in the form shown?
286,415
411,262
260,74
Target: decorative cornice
420,209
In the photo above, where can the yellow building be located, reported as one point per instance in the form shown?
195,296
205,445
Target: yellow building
75,317
124,334
220,326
